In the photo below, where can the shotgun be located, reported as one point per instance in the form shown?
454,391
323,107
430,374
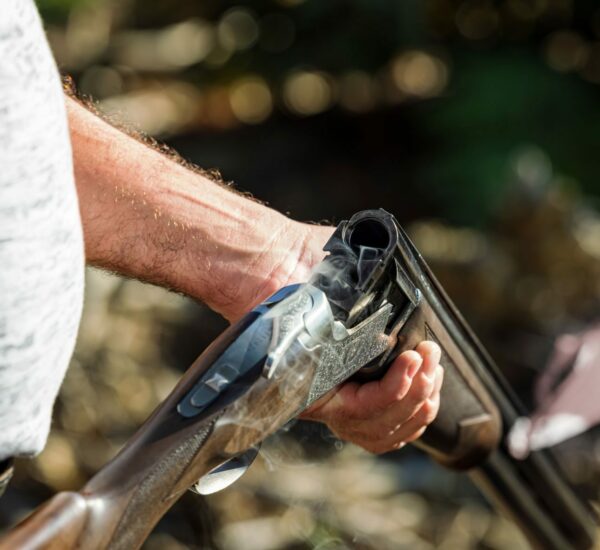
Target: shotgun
372,297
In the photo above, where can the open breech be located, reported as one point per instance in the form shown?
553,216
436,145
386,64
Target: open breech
372,297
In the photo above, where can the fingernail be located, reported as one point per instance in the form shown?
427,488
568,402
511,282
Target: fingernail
432,359
436,351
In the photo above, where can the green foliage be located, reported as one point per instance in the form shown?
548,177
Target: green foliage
57,11
496,104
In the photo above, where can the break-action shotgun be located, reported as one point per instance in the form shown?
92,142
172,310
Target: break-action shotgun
370,298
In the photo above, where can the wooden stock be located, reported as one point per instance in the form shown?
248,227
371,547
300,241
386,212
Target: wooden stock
121,504
56,525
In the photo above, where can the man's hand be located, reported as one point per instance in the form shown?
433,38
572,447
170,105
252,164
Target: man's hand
384,415
147,216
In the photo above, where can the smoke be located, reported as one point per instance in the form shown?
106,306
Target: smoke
280,392
341,275
301,327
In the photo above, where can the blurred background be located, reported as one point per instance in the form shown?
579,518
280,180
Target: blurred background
476,122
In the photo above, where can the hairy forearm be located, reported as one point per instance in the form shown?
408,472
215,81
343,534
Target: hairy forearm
147,216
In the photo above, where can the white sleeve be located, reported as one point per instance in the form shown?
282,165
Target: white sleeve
41,246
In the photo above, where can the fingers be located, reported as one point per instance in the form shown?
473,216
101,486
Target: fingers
402,390
431,354
423,389
414,428
411,430
355,401
374,397
384,415
425,384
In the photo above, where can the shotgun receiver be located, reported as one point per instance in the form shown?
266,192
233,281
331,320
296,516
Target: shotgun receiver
370,298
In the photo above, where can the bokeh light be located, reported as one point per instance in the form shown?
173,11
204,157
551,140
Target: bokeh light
172,48
532,167
308,92
238,29
186,43
420,74
156,111
217,108
566,51
477,20
251,100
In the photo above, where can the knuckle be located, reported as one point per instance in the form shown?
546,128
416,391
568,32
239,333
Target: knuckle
399,393
429,411
421,389
385,431
430,415
415,435
428,347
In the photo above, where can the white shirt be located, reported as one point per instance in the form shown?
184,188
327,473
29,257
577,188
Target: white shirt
41,245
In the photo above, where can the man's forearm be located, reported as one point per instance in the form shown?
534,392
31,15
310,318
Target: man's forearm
147,216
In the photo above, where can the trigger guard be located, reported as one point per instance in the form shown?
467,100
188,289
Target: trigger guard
225,474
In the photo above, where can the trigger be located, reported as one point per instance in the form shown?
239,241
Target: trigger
227,473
